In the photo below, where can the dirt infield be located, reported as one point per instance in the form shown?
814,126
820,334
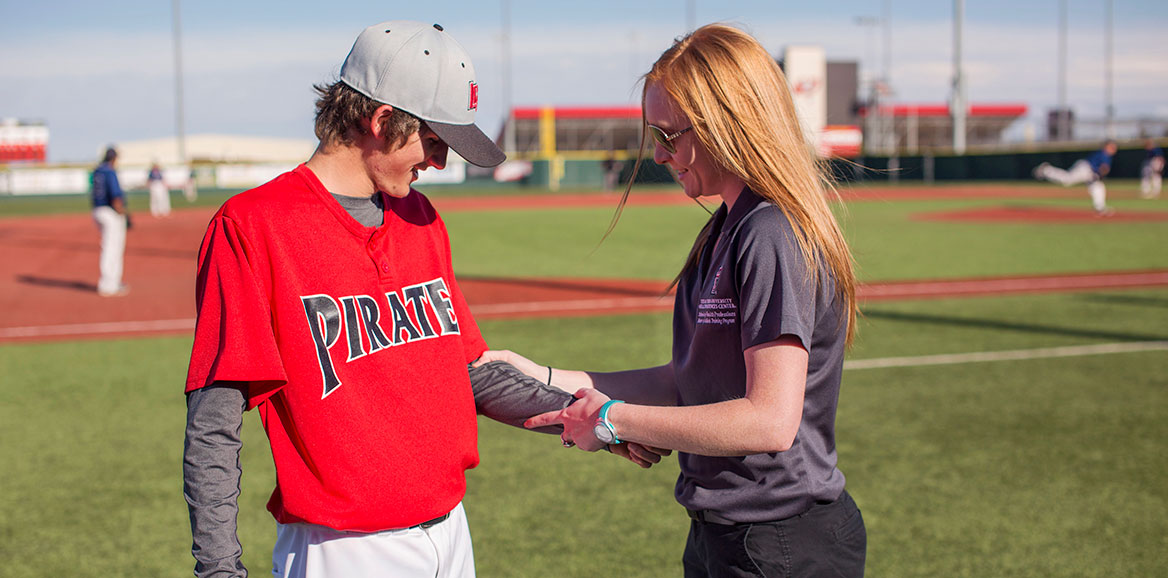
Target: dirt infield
49,270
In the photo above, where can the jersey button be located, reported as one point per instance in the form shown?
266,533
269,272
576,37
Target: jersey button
385,266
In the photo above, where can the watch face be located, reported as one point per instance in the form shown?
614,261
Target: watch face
602,433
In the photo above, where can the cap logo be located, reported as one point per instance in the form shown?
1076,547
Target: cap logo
474,97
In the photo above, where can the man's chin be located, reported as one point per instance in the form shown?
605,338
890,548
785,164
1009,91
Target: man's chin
400,191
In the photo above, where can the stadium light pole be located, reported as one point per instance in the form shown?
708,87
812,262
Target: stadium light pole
180,131
509,126
958,108
888,126
886,21
691,19
869,24
1061,132
1108,49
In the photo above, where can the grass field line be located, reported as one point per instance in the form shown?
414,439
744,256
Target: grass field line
129,327
1014,355
570,305
109,327
1027,284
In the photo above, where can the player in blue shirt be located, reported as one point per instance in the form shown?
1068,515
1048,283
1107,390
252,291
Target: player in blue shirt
1090,170
109,212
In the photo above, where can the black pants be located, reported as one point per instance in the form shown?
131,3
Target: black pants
827,540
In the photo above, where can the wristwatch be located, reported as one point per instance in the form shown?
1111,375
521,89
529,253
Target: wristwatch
603,430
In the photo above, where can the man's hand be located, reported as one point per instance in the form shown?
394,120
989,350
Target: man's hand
643,456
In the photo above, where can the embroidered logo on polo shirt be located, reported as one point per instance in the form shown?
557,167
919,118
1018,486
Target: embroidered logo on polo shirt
716,311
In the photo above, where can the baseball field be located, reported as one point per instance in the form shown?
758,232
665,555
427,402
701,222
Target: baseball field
1004,410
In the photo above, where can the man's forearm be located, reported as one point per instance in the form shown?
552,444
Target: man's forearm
211,477
505,394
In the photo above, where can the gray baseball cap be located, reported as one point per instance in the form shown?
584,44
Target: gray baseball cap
420,69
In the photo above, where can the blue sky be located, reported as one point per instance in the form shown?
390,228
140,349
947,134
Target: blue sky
103,72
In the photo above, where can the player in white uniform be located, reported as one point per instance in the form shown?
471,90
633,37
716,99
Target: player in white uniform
159,192
1151,170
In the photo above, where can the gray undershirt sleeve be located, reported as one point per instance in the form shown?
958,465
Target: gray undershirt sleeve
211,477
507,395
211,470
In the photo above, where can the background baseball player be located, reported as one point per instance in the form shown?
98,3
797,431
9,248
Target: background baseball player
113,219
159,192
1151,170
1090,170
327,301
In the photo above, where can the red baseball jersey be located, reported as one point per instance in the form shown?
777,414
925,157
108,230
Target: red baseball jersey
354,343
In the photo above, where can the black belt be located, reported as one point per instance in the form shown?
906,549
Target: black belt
431,523
708,517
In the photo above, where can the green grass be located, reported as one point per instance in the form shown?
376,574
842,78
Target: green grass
1033,468
137,200
889,242
1022,468
648,243
1015,322
1046,467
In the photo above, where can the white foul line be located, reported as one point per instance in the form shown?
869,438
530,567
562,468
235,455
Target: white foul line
124,327
98,328
904,290
1020,354
572,305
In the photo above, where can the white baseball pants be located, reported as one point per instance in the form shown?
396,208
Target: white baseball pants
311,551
112,225
1080,172
1098,194
159,199
1150,178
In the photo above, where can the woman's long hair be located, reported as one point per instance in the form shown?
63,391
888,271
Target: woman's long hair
737,100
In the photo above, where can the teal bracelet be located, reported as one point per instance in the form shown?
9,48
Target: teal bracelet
604,418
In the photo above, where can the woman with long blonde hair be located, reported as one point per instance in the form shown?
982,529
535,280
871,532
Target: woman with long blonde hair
765,308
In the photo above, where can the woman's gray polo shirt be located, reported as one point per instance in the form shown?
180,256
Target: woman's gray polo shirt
750,287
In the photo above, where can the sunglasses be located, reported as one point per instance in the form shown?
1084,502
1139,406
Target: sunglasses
666,140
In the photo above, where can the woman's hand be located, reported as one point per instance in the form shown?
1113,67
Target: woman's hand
527,366
577,419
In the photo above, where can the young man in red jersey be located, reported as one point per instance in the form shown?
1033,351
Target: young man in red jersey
327,301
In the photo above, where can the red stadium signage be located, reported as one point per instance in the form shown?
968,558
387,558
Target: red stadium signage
23,143
842,141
